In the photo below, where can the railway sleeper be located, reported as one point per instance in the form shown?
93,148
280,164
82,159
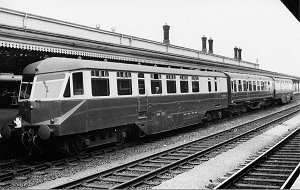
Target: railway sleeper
284,159
297,157
96,186
179,154
164,177
269,174
170,158
186,167
277,166
288,153
281,162
153,183
187,151
161,161
252,179
126,174
271,170
149,165
176,172
112,180
256,186
139,169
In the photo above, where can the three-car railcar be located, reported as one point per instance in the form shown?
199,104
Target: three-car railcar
72,104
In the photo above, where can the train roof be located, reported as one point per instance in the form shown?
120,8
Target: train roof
247,76
58,64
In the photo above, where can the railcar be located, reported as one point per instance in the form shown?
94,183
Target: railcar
72,104
283,90
249,91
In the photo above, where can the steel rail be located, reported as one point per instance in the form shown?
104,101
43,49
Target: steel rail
139,179
229,182
24,166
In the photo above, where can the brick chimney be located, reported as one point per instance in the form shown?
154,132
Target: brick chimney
204,50
240,54
210,45
235,52
166,28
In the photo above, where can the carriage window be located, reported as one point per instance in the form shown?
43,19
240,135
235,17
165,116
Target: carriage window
171,84
67,92
216,84
240,86
195,84
77,83
254,85
141,82
263,85
184,86
258,85
250,85
269,86
245,85
234,86
156,83
209,85
124,83
100,83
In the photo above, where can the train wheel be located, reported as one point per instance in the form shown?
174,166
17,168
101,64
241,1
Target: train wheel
77,145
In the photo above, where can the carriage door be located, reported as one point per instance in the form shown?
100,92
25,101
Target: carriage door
142,98
217,82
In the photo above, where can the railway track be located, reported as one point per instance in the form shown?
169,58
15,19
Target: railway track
12,169
152,170
22,167
277,168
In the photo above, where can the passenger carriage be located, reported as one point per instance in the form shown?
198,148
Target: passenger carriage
76,103
249,91
284,90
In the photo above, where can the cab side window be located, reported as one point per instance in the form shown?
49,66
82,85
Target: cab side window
78,83
67,93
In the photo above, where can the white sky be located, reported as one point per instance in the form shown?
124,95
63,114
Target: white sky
264,29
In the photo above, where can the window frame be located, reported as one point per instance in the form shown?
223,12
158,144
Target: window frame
123,76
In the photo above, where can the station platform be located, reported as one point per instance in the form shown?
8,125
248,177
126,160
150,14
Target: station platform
209,173
296,184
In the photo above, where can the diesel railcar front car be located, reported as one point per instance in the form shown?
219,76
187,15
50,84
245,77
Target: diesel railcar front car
72,104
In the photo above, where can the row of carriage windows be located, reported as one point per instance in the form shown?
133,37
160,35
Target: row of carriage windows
101,87
243,85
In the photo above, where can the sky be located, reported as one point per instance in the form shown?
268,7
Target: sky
265,30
